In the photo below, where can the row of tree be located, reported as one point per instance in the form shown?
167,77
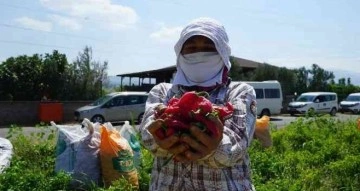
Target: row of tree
52,77
297,81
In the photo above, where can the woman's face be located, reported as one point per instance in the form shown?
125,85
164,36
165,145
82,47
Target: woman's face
198,44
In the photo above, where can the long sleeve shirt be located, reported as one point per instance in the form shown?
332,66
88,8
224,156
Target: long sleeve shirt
228,168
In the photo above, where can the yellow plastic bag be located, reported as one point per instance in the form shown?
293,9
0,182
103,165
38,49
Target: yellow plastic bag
116,158
262,131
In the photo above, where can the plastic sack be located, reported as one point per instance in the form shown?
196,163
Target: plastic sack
77,153
128,132
262,131
87,163
6,151
67,142
116,158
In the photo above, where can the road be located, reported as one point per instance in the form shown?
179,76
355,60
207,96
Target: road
280,121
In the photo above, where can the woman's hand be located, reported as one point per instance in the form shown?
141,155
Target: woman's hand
201,144
171,144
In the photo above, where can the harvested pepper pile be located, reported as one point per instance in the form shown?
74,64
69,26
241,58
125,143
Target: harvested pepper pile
191,109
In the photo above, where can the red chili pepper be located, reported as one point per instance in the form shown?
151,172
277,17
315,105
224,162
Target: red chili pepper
172,110
224,112
187,98
169,131
211,128
173,101
186,104
165,131
176,124
160,133
192,101
204,105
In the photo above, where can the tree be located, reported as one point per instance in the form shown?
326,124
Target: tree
342,81
320,78
287,79
302,76
88,75
20,78
54,70
237,73
348,81
32,77
266,72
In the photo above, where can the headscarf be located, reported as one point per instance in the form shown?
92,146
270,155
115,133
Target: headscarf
213,30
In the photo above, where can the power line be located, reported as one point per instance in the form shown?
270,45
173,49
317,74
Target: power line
68,35
39,10
86,19
45,45
51,32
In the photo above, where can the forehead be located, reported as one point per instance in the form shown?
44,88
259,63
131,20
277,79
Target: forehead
199,39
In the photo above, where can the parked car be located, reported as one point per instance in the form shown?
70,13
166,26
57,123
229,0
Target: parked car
350,104
117,106
268,97
318,102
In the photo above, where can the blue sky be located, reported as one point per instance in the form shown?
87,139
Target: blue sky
137,35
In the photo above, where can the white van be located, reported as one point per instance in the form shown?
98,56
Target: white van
268,97
351,104
318,102
117,106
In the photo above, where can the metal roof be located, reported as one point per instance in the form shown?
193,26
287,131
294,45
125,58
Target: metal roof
168,71
150,73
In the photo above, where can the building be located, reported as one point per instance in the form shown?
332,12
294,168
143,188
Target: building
147,79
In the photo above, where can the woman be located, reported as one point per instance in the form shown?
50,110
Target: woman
202,162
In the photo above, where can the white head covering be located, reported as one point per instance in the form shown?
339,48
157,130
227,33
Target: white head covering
213,30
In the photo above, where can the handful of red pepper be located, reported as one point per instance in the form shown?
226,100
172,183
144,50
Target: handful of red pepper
191,109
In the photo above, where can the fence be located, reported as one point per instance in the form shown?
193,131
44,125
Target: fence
27,112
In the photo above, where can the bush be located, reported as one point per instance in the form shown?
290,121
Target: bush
309,154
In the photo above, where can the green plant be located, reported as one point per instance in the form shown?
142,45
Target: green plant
317,153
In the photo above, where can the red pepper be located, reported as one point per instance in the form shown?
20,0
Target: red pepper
192,101
164,132
169,131
204,105
192,107
211,128
160,134
224,112
172,110
176,124
173,101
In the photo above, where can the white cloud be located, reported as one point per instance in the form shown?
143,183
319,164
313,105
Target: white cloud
34,24
100,11
66,22
166,34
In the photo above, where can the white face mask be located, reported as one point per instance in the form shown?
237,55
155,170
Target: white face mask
201,66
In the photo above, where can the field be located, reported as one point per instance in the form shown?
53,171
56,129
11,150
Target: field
319,153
